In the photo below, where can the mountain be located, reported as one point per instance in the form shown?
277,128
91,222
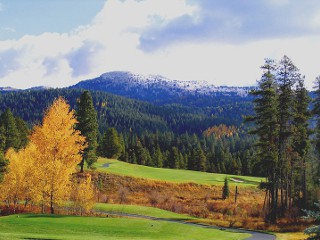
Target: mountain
160,90
8,89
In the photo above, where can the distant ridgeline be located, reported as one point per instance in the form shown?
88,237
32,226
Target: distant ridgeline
194,130
160,90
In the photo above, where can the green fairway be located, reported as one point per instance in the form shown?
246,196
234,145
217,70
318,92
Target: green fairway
141,210
172,175
47,227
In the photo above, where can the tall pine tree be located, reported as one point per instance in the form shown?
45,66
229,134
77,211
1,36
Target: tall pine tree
300,144
267,128
88,126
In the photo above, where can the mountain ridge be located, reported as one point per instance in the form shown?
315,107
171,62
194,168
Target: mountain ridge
158,89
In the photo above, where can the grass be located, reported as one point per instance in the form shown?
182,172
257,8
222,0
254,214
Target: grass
47,227
172,175
291,236
141,210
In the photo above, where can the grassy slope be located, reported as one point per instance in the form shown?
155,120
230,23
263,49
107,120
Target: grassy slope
171,175
146,211
30,226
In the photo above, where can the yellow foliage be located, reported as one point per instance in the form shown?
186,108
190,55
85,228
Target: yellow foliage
83,193
42,171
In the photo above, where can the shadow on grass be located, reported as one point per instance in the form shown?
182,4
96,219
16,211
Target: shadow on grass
44,216
40,238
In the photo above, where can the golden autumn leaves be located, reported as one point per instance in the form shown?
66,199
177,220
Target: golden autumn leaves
42,172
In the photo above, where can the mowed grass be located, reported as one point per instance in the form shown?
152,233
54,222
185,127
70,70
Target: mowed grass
141,210
30,226
172,175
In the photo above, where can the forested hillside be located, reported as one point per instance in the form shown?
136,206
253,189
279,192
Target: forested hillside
124,113
163,136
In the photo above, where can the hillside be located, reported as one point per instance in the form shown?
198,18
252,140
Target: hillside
175,129
161,90
124,113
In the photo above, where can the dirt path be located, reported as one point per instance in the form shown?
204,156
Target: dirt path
255,235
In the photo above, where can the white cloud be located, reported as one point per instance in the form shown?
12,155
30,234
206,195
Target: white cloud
111,42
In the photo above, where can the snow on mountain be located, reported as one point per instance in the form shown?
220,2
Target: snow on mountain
132,80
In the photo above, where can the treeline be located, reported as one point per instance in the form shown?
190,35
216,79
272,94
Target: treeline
227,154
284,146
132,115
170,136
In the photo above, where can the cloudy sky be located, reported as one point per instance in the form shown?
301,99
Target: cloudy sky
60,42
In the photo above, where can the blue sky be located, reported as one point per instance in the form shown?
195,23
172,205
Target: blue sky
60,42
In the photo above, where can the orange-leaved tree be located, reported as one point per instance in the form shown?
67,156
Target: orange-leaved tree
60,149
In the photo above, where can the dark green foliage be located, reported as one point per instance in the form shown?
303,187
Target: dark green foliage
225,189
282,125
2,138
199,159
11,133
158,128
111,146
316,112
3,166
23,132
88,126
125,114
300,144
174,158
158,157
313,231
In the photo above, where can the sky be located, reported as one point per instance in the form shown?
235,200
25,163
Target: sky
57,43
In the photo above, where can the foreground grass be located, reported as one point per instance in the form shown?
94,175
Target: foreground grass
172,175
141,210
30,226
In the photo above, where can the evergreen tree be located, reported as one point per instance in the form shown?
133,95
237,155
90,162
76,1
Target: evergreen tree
2,138
23,131
11,133
287,76
301,144
3,166
88,126
282,127
174,158
200,160
316,113
111,146
225,189
141,154
158,157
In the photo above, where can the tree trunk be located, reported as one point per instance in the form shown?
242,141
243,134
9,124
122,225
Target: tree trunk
81,165
51,203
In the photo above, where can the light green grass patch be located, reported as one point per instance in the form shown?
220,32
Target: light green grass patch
30,226
172,175
141,210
